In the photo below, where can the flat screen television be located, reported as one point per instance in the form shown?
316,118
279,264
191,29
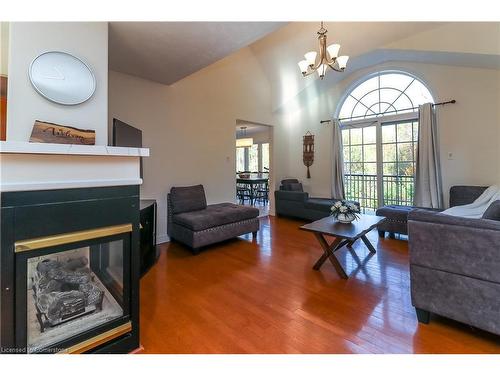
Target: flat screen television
125,135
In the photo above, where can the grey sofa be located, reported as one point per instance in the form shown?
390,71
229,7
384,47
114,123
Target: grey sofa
455,264
195,224
291,200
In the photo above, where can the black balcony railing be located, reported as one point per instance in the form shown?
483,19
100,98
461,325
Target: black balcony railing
364,189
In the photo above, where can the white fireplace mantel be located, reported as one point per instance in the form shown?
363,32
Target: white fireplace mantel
45,166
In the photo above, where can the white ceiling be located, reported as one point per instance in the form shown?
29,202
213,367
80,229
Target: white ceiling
166,52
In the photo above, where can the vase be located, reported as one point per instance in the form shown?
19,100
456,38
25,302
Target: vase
346,218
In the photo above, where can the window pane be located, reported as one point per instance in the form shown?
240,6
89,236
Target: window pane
369,135
356,153
405,132
357,168
345,137
389,95
415,131
347,107
403,103
405,152
419,93
346,154
359,110
388,133
366,86
240,159
370,153
389,169
389,152
396,80
253,158
370,168
369,99
356,136
265,157
405,169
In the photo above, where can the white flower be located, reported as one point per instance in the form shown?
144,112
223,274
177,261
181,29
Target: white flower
337,204
343,209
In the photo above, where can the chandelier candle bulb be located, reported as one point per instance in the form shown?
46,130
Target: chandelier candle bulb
333,50
311,58
303,65
342,61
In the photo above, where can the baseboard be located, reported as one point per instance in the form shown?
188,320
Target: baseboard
162,238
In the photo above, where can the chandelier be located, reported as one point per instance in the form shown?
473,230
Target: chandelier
243,141
328,57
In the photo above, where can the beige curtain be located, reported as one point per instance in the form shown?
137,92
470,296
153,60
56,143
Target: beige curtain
428,185
338,191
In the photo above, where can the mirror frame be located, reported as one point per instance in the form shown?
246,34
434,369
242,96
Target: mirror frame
94,82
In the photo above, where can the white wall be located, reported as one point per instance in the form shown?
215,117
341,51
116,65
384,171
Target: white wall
470,129
86,40
190,125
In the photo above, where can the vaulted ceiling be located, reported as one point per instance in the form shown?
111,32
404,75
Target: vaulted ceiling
166,52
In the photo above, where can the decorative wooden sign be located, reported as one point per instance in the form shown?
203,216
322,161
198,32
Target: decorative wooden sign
46,132
308,157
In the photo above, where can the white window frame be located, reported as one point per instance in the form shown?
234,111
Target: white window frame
378,122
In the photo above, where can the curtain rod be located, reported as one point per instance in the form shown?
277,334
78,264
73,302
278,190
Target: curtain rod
453,101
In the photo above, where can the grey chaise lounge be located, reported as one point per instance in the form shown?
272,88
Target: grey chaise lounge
455,266
291,200
195,224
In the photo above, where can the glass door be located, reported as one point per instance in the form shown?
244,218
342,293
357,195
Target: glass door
379,163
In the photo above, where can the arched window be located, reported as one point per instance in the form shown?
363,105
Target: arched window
383,94
379,121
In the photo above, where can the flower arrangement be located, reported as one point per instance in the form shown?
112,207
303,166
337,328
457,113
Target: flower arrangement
344,211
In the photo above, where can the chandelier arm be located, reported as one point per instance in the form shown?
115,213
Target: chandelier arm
322,50
337,70
308,73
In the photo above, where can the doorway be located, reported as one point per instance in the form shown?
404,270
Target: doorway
253,164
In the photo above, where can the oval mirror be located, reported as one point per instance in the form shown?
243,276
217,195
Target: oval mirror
62,78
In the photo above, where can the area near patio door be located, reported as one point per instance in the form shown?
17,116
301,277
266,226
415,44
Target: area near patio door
375,180
379,120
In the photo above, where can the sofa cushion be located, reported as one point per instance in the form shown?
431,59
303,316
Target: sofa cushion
493,211
215,215
296,196
289,181
319,204
395,212
187,198
295,186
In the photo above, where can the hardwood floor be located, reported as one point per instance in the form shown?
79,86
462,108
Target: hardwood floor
262,296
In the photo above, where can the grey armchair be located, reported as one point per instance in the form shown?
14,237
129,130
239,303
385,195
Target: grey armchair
455,264
292,201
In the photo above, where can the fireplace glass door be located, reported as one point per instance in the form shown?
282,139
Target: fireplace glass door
72,291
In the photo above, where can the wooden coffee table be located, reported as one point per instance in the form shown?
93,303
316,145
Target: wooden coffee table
345,234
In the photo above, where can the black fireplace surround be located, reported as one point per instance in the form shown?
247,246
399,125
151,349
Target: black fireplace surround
69,270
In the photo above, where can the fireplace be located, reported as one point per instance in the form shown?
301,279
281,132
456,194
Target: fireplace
70,271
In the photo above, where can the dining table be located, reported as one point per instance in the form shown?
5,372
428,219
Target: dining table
253,183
